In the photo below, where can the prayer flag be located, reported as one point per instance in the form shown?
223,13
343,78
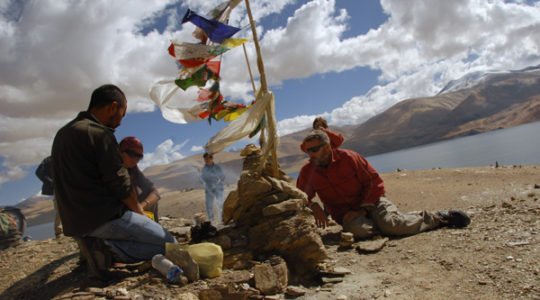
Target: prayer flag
198,78
216,31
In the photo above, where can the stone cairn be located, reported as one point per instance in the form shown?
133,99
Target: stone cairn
266,217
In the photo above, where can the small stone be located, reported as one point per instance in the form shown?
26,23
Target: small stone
341,271
295,291
96,291
371,246
332,279
122,292
187,296
155,280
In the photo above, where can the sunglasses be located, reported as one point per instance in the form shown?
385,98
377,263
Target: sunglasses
315,148
134,154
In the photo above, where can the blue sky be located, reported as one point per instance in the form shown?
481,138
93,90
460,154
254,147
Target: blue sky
345,60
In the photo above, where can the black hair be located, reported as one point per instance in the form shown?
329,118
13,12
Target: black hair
105,95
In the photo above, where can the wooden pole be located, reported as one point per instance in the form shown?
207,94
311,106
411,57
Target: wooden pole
272,132
249,69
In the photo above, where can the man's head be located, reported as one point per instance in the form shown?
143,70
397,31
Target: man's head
318,148
319,122
208,159
108,104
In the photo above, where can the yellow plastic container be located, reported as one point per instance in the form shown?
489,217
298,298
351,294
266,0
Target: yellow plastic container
208,256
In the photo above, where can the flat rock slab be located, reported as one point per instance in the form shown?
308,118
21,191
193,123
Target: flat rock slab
371,246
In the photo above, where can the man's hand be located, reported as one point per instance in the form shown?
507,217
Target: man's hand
320,217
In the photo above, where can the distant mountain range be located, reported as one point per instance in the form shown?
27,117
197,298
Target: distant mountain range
471,105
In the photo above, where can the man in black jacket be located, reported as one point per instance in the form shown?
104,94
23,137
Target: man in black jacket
96,201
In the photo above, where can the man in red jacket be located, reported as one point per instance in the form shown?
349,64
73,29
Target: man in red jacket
353,193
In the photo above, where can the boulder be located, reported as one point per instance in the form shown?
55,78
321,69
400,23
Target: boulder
270,279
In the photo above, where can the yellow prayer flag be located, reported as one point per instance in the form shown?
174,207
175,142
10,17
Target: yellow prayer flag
231,43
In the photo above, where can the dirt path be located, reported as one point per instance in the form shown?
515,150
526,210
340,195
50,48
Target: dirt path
496,257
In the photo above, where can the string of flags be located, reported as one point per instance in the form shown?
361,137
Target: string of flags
195,94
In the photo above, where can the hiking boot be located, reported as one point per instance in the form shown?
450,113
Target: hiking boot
454,218
97,255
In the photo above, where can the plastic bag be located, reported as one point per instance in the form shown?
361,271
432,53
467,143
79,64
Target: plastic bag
208,256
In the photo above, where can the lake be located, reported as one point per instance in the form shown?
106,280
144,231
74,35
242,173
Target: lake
518,145
41,231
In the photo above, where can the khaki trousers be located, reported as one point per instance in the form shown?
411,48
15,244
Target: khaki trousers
385,219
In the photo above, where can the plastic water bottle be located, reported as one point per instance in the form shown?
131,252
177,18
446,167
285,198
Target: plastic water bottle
167,268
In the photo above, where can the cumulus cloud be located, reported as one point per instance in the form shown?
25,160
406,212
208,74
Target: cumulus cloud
196,148
423,45
164,153
54,53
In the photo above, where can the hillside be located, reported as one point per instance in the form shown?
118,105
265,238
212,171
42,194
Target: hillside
499,100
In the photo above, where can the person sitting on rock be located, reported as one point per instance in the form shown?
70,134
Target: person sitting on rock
354,195
96,201
336,139
147,194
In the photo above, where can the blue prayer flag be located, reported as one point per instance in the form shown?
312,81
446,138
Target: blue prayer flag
216,31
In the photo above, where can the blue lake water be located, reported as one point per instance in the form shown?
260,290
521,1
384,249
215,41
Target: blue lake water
518,145
41,231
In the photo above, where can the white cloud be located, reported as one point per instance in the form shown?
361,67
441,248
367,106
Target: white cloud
297,123
196,148
422,46
164,153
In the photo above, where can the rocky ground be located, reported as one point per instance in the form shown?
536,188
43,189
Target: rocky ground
496,257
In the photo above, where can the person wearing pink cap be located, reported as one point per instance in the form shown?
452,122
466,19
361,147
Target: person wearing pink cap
147,195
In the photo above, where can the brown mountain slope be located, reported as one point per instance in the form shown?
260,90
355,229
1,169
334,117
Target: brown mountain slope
500,101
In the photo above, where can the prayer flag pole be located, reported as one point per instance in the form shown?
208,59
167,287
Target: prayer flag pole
272,132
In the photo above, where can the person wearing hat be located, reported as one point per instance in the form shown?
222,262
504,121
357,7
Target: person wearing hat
147,195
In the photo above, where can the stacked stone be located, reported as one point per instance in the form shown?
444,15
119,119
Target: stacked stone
267,216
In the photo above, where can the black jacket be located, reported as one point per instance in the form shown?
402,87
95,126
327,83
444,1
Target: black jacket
43,172
89,177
